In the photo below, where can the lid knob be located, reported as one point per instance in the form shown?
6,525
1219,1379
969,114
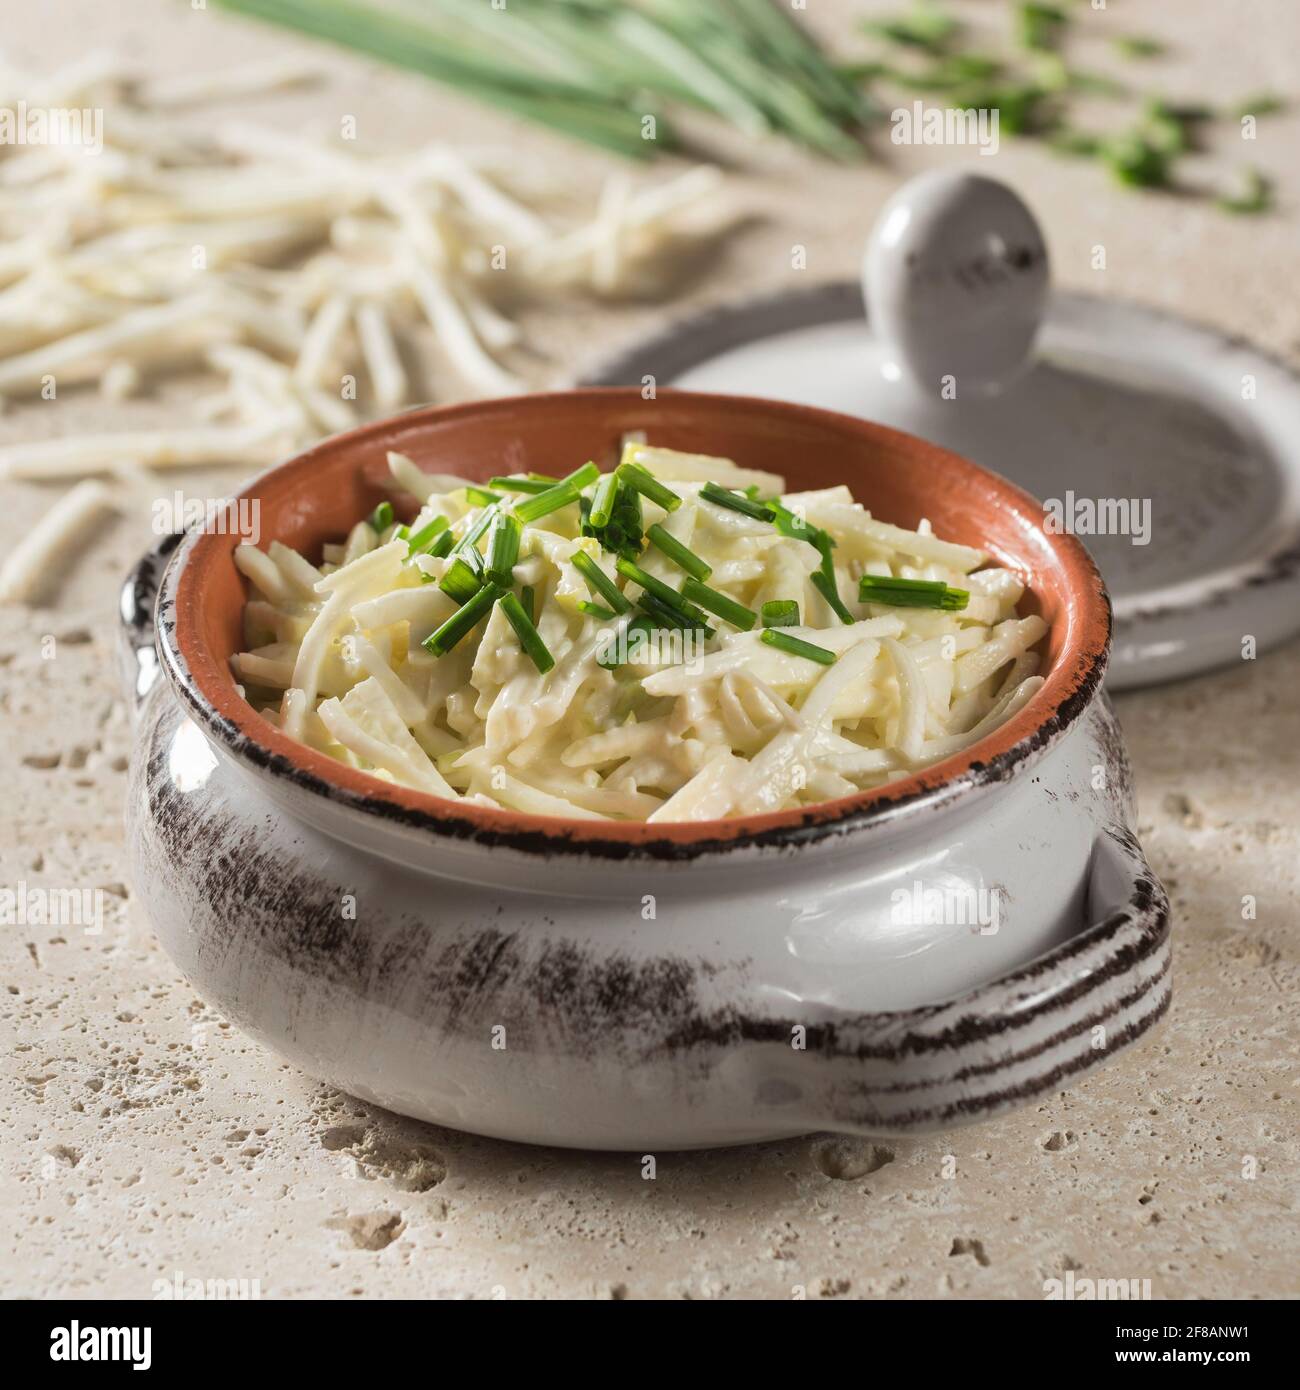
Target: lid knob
956,283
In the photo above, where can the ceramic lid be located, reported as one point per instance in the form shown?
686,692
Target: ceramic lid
1170,450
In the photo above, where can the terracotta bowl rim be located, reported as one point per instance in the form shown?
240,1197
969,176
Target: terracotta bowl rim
207,686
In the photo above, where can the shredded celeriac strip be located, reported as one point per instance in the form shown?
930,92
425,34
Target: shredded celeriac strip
335,657
30,562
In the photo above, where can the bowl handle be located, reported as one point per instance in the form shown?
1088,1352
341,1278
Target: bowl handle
136,607
1028,1034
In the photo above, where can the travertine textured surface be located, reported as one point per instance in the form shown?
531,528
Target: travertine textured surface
145,1139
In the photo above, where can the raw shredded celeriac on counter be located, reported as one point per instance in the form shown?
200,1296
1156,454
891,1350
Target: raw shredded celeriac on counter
309,273
520,661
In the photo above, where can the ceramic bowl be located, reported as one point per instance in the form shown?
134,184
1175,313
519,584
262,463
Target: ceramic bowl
651,986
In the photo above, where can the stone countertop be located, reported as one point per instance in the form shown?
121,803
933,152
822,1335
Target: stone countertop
146,1139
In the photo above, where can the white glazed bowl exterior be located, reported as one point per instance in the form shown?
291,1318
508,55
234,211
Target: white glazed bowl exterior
744,995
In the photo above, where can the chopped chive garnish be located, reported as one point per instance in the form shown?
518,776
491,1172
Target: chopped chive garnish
421,540
611,661
680,555
535,508
460,582
441,547
724,606
665,615
402,533
628,520
464,620
582,477
781,612
785,521
623,532
663,592
528,598
912,593
597,610
473,559
734,501
825,585
602,500
662,614
382,517
470,539
799,529
643,481
1256,197
600,583
823,544
503,549
533,485
782,641
627,511
548,478
481,496
529,638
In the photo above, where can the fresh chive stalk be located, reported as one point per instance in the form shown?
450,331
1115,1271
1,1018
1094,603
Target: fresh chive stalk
643,481
382,517
682,556
780,612
503,549
734,501
569,98
462,622
529,638
723,605
596,610
796,646
532,485
600,583
460,582
593,70
528,598
482,496
825,585
419,541
912,593
665,593
602,500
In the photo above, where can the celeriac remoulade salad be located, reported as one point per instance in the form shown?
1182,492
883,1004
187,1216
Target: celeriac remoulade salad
679,639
